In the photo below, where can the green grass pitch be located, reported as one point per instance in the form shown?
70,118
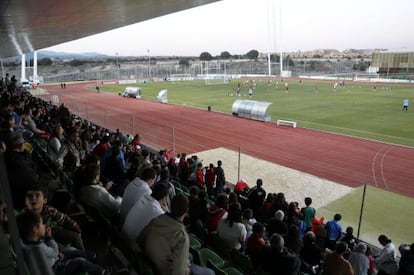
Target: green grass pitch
354,109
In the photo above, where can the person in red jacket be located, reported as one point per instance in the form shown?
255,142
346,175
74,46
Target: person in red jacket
210,179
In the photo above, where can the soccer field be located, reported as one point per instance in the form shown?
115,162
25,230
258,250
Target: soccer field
354,109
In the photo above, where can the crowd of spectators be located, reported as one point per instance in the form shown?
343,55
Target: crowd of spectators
136,189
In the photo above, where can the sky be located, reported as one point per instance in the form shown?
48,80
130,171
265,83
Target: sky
238,26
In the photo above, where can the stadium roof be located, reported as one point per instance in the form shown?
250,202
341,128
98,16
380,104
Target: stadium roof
28,25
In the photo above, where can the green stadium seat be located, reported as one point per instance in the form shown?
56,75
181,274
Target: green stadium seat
241,261
204,254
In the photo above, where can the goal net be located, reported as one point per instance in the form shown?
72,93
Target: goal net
181,77
214,72
216,79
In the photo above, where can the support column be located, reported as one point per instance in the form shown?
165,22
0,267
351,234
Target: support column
35,76
23,67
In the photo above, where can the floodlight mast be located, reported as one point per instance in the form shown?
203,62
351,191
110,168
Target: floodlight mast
280,32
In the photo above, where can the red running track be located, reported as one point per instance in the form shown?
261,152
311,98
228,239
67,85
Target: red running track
342,159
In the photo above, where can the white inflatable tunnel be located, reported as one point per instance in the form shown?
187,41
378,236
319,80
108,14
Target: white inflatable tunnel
163,96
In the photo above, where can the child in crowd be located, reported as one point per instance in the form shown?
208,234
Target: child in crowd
65,230
34,233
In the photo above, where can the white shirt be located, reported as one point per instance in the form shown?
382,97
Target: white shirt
134,191
99,198
143,211
386,254
234,236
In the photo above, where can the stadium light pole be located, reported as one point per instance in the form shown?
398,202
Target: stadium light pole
149,64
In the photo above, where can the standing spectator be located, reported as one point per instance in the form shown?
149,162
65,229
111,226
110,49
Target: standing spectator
335,264
210,179
349,238
220,178
333,232
308,213
256,199
360,261
200,176
407,259
385,260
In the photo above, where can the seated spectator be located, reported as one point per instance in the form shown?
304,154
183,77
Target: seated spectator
278,260
54,145
255,244
136,189
34,233
293,240
268,210
385,260
199,208
232,230
407,259
73,149
28,122
95,195
311,254
335,264
21,169
277,224
64,230
359,261
144,210
248,220
320,232
216,212
165,240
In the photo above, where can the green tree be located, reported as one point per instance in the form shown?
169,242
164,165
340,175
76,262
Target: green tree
274,57
252,54
76,62
225,55
45,62
184,62
206,56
